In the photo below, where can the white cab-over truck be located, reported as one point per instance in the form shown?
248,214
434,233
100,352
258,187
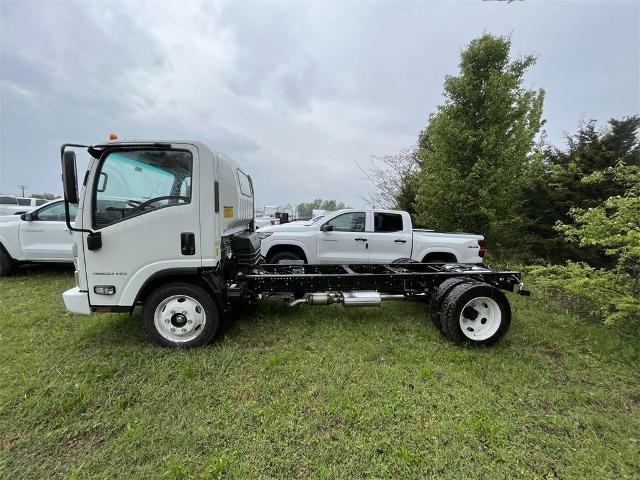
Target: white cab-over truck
366,236
168,225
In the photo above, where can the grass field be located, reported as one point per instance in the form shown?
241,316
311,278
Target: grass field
312,392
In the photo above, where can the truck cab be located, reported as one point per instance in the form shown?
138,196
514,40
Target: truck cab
159,209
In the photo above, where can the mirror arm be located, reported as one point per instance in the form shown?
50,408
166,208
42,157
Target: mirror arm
94,239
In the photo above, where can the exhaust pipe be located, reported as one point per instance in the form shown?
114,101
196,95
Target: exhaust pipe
347,299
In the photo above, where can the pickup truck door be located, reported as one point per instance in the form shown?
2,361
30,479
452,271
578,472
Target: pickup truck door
391,238
347,242
46,237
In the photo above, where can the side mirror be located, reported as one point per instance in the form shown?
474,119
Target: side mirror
27,217
326,228
69,177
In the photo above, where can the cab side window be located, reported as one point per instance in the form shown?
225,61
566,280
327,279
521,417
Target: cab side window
387,222
348,222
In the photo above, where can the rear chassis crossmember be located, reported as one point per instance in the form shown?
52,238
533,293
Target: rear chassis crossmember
408,278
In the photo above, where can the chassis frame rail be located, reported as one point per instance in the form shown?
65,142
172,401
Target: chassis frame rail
409,278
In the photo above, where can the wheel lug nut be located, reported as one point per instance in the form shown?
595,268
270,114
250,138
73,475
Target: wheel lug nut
184,330
189,322
173,329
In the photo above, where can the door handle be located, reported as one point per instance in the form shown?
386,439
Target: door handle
188,243
361,239
400,241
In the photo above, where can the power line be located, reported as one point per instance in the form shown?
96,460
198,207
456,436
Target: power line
23,187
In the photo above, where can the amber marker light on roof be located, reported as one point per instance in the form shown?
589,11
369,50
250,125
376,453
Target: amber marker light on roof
113,136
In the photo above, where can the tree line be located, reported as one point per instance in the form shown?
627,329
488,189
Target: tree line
482,165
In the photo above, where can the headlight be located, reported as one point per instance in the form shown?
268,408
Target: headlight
263,235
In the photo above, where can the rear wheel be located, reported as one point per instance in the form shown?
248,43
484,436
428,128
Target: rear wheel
180,315
6,263
475,314
439,294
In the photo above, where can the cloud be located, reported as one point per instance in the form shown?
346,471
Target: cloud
294,91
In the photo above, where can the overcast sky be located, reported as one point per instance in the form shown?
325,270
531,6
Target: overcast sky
296,92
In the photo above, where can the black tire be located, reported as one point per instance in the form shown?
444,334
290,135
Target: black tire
286,255
439,294
458,299
198,293
6,263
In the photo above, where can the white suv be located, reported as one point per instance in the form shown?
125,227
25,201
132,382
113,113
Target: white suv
38,236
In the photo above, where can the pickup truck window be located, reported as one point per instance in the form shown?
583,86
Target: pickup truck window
55,213
348,222
24,202
387,222
132,183
8,201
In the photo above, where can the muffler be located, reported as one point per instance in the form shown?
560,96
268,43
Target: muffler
347,299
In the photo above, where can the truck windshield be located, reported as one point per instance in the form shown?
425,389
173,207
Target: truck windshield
131,183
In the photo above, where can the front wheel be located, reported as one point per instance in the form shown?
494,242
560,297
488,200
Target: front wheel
475,314
180,315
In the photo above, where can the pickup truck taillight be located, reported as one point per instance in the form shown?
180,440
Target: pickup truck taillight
483,248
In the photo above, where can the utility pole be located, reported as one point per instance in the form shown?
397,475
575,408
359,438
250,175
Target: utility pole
23,187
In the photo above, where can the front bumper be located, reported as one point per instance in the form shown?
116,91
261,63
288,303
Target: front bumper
76,301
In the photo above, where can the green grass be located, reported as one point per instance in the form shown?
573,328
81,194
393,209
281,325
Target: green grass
311,392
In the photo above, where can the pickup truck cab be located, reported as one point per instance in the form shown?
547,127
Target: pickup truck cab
18,205
38,236
367,236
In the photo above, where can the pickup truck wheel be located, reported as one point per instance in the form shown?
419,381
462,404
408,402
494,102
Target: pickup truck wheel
6,263
180,315
439,294
475,314
405,260
278,257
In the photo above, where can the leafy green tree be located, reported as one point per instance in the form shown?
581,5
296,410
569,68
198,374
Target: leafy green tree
393,179
479,147
592,169
613,226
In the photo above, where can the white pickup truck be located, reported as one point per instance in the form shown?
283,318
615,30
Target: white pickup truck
366,236
38,236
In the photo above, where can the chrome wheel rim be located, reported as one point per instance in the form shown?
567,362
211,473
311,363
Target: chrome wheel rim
480,318
180,318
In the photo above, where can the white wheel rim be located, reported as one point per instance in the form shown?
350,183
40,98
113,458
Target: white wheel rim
480,318
179,318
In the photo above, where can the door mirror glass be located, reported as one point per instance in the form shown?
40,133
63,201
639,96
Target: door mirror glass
27,217
326,228
69,177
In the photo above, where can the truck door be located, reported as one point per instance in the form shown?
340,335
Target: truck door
391,238
347,242
146,206
46,237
